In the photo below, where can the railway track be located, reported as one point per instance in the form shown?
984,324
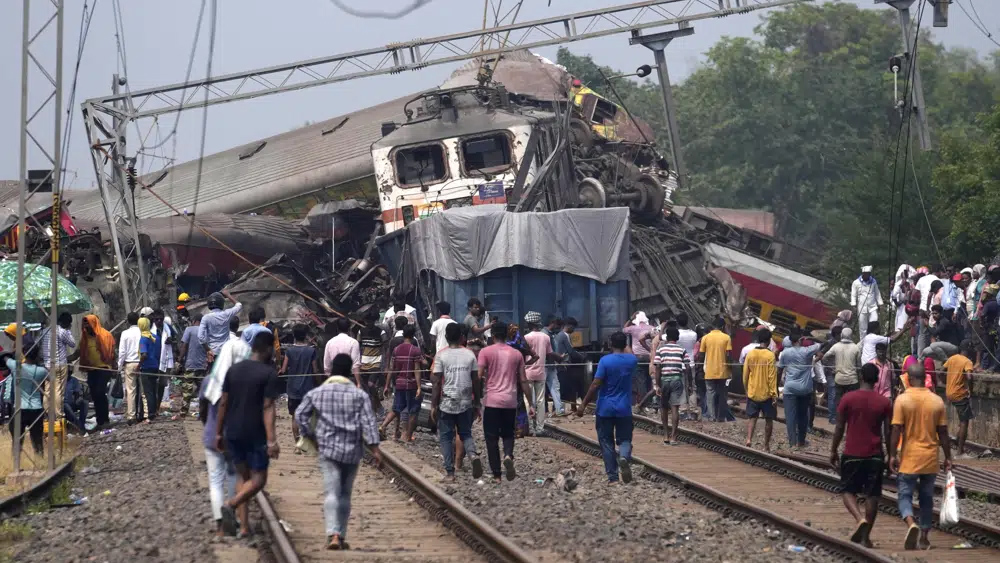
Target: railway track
971,475
806,495
397,515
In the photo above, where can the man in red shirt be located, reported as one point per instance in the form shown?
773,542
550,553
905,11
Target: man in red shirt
866,414
407,363
502,369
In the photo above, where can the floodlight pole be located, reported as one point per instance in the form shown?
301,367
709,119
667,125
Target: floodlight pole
657,42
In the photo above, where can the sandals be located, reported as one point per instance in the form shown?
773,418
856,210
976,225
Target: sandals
336,543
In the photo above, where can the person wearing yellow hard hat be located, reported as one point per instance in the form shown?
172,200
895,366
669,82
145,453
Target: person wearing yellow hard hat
11,332
183,316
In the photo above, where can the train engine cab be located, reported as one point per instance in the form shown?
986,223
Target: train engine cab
458,148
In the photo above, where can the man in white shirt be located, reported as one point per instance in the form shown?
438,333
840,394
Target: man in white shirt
438,326
687,339
128,365
923,285
343,343
866,296
873,338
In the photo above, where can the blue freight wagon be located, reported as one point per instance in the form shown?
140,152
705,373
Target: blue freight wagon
509,293
571,263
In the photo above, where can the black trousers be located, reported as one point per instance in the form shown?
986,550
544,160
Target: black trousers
31,421
151,390
497,424
97,381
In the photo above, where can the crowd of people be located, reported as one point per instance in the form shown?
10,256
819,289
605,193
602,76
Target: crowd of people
354,384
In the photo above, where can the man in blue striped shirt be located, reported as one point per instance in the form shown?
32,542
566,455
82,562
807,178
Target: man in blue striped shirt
670,363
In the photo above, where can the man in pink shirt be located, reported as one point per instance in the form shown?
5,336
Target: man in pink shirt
541,345
342,343
502,369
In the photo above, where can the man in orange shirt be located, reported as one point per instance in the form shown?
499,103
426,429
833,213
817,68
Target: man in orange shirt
919,418
714,352
959,390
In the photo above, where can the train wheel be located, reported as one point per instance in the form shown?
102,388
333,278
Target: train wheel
654,194
591,193
580,133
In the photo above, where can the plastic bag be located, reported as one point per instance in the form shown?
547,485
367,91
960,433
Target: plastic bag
949,504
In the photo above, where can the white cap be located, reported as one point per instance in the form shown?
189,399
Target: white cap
866,269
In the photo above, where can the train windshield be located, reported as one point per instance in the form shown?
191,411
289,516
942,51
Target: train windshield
486,154
416,166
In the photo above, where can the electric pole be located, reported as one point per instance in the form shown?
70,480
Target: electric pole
657,43
41,63
915,103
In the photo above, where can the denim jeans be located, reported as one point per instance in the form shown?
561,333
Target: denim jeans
796,418
447,424
701,393
221,480
924,484
338,482
716,400
831,399
613,430
552,381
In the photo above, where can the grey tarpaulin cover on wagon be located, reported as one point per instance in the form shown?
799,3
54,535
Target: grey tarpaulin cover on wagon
467,242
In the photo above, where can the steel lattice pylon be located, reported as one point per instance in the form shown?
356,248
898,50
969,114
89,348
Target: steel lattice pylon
42,74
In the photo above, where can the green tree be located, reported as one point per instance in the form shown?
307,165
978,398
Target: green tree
967,184
801,120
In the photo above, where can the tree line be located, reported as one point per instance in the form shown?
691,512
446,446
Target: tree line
801,120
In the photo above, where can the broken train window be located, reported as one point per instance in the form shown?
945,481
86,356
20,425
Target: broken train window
420,165
486,154
604,112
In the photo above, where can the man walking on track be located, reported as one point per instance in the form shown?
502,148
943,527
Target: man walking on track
246,427
502,369
456,384
344,422
670,363
865,413
613,386
920,421
760,379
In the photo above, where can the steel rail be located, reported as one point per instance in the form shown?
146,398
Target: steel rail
973,530
975,447
15,504
281,544
968,477
483,538
730,506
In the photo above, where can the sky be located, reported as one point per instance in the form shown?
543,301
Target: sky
254,33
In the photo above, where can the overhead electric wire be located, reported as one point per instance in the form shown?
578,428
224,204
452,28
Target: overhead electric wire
908,108
225,246
204,123
85,20
416,5
980,25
